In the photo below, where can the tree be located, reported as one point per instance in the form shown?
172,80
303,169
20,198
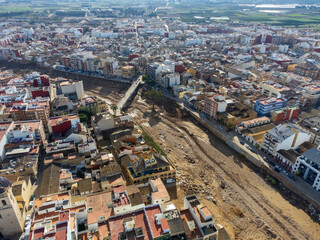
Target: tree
94,111
83,117
147,79
114,108
84,114
84,110
153,95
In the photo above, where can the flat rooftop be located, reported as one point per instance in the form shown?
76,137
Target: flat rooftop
116,225
151,213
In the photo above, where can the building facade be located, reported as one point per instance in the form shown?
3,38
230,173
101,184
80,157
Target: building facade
265,106
214,104
283,137
308,166
11,218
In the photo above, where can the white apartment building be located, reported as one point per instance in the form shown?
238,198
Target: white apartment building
73,88
284,137
308,164
170,80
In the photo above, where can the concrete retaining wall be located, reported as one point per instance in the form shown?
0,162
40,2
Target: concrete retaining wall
228,141
255,161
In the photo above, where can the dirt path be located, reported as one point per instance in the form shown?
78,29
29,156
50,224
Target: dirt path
240,199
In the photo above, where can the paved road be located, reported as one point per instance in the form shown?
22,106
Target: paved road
127,95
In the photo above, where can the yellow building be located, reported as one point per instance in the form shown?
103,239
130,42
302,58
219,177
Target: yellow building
237,114
128,71
194,72
11,218
291,67
142,168
22,192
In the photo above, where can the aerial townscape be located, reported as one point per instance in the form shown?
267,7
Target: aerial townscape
159,119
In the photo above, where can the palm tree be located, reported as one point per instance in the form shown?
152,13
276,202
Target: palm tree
114,108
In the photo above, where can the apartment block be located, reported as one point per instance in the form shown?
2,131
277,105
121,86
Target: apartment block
308,165
264,107
283,137
214,105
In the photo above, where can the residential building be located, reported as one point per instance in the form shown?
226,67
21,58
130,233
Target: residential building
61,105
99,210
3,138
72,90
201,219
89,102
159,191
284,137
107,123
310,122
128,71
60,147
214,105
170,80
288,158
308,70
236,113
308,166
311,92
55,217
24,131
88,147
33,110
147,166
61,124
265,106
11,218
284,114
253,130
155,70
272,89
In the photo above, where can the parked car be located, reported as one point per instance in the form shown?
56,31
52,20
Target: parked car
248,147
30,205
271,163
170,180
242,142
277,168
252,150
292,177
285,172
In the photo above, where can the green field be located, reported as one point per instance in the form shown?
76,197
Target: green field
15,9
186,10
206,9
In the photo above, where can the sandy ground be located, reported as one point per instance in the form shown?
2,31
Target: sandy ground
110,92
240,199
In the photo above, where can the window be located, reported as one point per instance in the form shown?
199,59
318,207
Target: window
4,203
